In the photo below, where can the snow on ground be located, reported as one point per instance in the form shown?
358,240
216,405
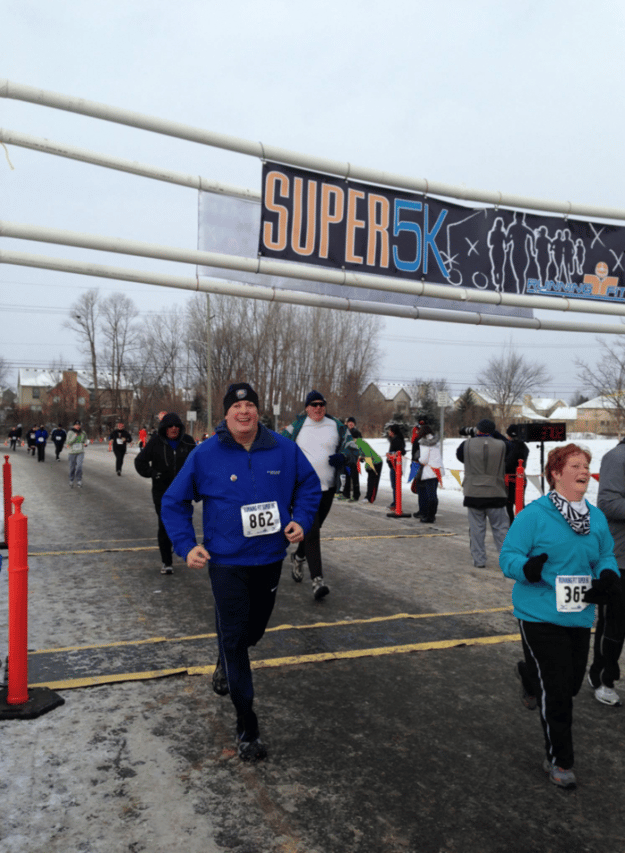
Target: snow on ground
452,489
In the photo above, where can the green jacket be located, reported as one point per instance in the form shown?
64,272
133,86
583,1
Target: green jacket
76,442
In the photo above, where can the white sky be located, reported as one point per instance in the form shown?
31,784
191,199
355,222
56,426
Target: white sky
522,97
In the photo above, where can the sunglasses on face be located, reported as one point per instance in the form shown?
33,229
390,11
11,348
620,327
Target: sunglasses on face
317,405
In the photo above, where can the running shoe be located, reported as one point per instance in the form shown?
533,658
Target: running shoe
603,694
166,570
559,776
251,750
297,567
607,695
320,588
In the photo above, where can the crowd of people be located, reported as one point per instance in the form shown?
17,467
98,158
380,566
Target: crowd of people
262,491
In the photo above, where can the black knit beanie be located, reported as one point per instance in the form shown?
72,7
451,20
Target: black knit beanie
237,392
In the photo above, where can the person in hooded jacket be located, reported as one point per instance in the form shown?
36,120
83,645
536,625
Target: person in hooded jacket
161,459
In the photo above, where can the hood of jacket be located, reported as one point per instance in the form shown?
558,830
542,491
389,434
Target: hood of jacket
170,420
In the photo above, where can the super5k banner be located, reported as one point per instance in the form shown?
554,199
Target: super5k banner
331,222
231,226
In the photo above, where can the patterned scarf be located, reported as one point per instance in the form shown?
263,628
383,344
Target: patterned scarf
579,522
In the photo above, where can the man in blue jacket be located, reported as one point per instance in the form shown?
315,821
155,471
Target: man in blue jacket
259,492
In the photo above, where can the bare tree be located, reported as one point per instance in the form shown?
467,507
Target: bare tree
283,351
507,377
4,371
84,315
159,366
607,378
119,332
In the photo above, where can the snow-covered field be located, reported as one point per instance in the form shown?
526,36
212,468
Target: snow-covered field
453,491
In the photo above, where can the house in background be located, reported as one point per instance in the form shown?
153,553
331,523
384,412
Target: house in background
386,400
58,394
599,416
543,406
484,398
565,415
68,399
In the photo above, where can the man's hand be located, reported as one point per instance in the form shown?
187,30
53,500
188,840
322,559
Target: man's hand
197,557
294,532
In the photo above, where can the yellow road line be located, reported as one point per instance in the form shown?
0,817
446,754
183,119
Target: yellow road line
295,660
285,627
90,551
385,536
152,547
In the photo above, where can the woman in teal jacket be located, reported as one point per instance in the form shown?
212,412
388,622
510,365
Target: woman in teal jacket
560,553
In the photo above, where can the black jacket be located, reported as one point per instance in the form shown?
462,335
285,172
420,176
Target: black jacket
397,443
159,460
516,450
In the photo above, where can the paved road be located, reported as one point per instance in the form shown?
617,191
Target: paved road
389,708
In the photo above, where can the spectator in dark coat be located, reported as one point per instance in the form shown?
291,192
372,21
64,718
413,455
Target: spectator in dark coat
516,450
397,444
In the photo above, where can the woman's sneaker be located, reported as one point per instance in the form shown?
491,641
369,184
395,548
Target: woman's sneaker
560,777
320,588
605,695
251,750
297,567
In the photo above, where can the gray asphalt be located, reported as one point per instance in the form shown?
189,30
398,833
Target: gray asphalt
390,709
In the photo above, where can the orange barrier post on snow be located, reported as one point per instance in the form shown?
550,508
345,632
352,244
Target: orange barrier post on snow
7,488
18,606
16,701
396,462
519,488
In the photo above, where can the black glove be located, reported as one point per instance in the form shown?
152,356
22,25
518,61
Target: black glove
534,566
337,460
604,588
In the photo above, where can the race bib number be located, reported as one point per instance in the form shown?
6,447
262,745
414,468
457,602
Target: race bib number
78,447
120,440
260,519
40,438
570,591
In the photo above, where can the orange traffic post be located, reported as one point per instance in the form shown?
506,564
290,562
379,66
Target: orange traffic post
519,488
18,606
15,700
7,488
396,462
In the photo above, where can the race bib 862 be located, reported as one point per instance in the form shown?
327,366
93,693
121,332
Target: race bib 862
260,519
